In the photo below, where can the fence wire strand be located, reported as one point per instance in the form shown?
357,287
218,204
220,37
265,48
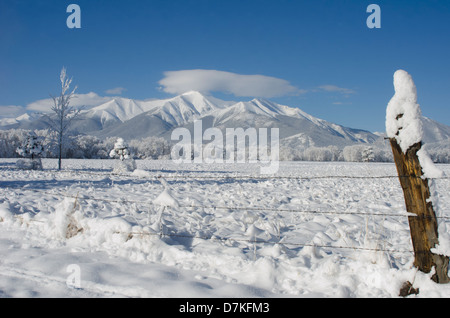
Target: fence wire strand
239,208
170,175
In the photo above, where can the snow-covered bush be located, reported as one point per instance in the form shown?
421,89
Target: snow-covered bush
120,150
31,149
126,162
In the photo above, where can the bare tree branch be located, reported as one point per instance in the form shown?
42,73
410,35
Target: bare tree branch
63,113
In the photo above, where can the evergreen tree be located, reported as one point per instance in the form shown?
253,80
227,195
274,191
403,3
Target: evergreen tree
120,150
31,149
126,162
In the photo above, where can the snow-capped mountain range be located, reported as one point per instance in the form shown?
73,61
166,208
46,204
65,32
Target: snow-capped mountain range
160,117
134,119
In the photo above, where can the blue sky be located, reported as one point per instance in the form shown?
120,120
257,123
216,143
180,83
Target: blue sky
337,68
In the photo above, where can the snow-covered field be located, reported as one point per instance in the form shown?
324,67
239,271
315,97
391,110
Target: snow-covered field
167,230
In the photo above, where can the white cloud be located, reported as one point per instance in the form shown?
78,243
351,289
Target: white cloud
206,81
11,111
79,100
115,91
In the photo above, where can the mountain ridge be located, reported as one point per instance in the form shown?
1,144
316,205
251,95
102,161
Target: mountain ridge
137,119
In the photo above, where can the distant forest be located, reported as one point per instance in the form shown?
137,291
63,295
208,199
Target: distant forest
90,147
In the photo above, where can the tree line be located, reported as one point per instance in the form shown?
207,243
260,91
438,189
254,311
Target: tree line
80,146
91,147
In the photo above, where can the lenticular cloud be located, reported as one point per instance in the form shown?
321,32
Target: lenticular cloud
206,81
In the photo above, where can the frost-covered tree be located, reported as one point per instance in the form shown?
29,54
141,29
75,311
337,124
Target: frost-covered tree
87,147
353,153
318,154
367,154
150,148
10,140
63,114
120,150
31,149
126,162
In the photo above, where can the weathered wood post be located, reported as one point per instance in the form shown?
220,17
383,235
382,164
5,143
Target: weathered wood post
404,129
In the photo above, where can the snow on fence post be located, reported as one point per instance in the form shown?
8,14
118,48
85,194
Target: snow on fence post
404,130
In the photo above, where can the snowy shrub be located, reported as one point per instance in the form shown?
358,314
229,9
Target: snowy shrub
29,164
31,149
120,150
125,163
124,166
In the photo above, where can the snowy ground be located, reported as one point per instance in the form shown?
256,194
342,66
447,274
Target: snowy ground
167,230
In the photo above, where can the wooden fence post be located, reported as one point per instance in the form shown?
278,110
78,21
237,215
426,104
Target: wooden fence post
405,132
423,226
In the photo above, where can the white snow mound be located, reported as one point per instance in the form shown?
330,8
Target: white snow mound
403,114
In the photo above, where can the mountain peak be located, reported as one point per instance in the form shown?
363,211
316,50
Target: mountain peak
261,100
192,93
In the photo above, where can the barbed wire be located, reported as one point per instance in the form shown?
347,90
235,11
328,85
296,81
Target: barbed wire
238,208
163,234
170,175
259,241
237,239
183,174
